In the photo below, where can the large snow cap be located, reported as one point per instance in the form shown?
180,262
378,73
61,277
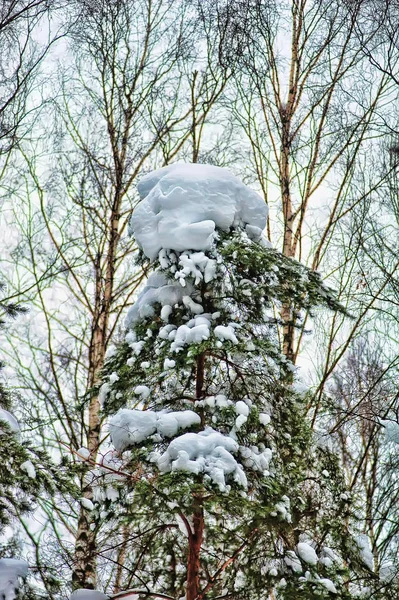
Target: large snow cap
182,204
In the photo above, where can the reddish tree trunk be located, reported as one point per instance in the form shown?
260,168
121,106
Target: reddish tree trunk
194,553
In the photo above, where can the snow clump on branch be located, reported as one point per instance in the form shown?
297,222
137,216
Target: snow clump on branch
131,427
11,571
83,594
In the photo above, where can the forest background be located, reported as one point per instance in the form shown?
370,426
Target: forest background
299,98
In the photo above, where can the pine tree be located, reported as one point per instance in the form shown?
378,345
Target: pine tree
8,310
224,490
26,474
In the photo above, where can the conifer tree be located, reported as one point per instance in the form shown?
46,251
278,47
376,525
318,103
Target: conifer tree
221,483
26,474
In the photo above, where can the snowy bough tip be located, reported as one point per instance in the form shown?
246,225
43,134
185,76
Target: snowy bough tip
183,204
11,571
12,422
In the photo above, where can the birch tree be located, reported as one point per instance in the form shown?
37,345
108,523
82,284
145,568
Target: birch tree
309,103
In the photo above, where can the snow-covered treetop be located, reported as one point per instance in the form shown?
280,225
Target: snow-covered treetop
183,204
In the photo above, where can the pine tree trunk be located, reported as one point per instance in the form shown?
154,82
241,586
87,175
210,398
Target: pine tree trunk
194,553
196,536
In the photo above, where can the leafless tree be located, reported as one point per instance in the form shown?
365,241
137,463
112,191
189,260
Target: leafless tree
26,37
309,102
363,405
